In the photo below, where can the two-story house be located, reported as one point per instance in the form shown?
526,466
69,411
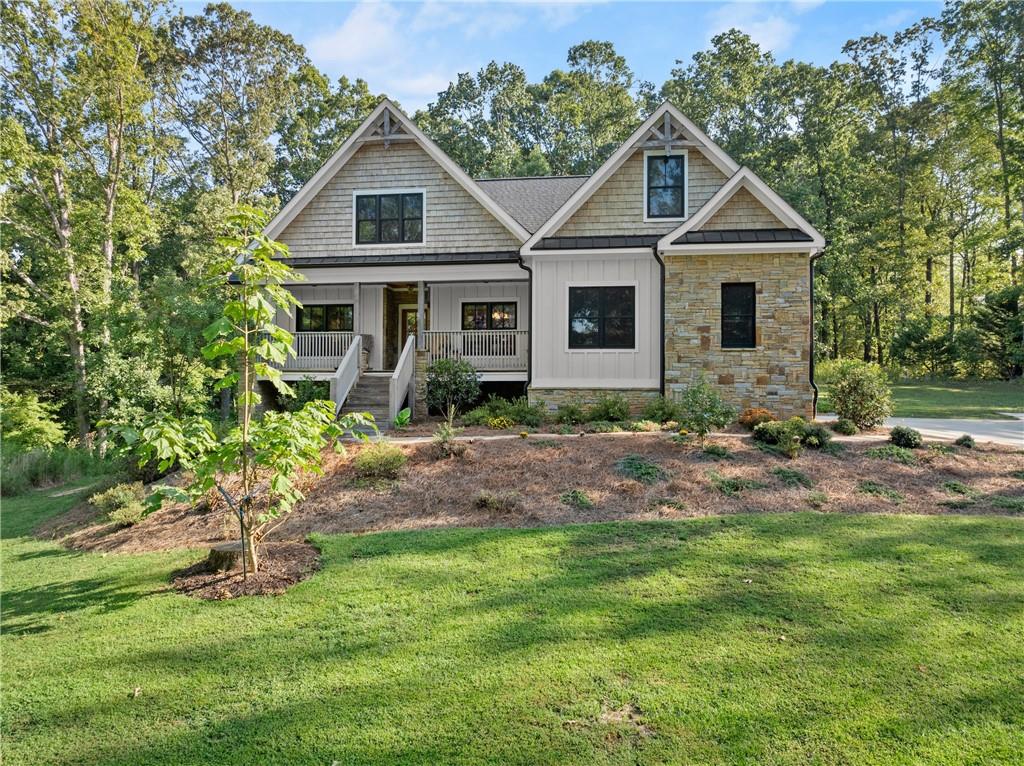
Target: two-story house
668,263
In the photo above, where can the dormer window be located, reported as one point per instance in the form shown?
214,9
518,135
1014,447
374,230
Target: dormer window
391,217
665,185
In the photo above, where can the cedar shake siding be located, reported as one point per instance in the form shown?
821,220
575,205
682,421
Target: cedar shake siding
617,207
453,222
742,211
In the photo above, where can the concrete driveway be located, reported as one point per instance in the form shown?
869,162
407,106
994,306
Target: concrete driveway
1009,432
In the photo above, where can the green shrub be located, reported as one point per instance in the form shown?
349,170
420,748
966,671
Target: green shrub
124,504
570,413
661,410
577,498
940,449
641,469
500,423
1006,503
902,436
516,411
966,441
859,392
869,487
730,487
609,407
785,436
502,502
816,436
452,384
817,500
701,410
379,460
643,426
845,426
893,453
602,427
27,424
957,488
306,390
717,451
792,478
752,416
445,443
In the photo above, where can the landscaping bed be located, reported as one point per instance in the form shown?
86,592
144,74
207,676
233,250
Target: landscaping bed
543,480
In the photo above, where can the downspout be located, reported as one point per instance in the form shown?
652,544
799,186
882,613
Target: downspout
661,355
814,386
529,332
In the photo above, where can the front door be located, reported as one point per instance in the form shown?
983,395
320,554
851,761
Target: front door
408,325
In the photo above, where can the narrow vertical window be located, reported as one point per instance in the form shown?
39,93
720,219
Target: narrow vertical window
738,315
666,186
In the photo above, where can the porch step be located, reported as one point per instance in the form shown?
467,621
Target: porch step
371,395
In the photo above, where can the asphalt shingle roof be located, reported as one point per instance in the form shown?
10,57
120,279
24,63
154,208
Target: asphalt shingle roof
531,200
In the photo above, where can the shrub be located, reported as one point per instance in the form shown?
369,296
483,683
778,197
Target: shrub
640,426
452,384
500,423
816,436
402,419
868,487
966,441
577,498
1007,503
792,478
27,424
716,450
517,411
306,390
730,487
786,436
845,426
570,413
701,410
902,436
609,407
641,469
379,460
124,504
957,488
503,502
860,393
661,410
602,427
753,416
892,452
445,443
817,499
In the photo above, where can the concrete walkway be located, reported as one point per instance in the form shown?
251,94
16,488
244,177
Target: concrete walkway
1009,432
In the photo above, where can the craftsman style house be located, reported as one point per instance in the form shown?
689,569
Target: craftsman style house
668,263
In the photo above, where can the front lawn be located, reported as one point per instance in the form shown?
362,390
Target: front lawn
770,639
950,399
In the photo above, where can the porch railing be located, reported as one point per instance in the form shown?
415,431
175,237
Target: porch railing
347,374
401,381
319,350
484,349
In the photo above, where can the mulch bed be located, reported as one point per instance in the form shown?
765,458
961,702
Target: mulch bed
282,565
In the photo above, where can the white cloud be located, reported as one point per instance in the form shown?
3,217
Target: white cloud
765,25
803,6
370,30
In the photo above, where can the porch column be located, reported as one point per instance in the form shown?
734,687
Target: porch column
420,313
357,324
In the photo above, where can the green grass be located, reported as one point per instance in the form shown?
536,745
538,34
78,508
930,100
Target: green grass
951,399
768,639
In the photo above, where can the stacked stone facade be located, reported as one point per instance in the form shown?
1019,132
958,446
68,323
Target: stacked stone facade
554,397
775,374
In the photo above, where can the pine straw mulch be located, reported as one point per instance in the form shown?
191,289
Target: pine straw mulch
282,564
535,472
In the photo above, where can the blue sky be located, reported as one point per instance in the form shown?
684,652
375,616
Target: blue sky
412,50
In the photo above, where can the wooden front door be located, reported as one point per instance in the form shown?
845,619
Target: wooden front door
408,325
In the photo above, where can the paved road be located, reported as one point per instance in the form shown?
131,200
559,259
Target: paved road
999,431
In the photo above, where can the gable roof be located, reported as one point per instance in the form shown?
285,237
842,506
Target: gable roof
674,125
396,126
531,200
683,235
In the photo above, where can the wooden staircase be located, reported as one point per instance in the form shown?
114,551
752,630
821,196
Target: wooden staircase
370,395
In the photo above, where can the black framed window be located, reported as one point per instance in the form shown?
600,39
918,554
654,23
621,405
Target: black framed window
500,315
739,304
602,317
384,218
334,317
666,184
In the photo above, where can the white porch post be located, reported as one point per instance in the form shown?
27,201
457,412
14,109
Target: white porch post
420,313
357,323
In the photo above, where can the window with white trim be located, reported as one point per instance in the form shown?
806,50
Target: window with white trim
666,186
387,218
602,317
498,315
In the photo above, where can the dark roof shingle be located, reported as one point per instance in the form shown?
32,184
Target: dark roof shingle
532,200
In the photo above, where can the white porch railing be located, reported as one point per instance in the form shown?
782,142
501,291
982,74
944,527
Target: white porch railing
401,379
347,374
319,350
484,349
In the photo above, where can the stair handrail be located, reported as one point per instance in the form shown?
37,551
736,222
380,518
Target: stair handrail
347,374
401,378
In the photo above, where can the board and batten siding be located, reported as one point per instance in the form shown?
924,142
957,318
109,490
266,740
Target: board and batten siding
371,310
617,207
454,221
446,301
554,365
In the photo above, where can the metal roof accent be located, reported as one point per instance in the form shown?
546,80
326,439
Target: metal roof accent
597,243
731,236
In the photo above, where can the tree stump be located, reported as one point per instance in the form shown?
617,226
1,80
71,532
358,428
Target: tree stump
224,557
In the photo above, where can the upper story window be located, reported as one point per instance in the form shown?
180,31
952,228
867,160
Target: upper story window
334,317
665,192
738,315
489,316
389,218
602,317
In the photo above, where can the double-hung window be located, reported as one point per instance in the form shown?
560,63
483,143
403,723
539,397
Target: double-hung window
666,186
602,317
738,315
333,317
389,218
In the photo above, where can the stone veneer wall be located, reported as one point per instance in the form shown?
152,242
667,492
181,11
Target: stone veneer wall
553,397
419,406
775,374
